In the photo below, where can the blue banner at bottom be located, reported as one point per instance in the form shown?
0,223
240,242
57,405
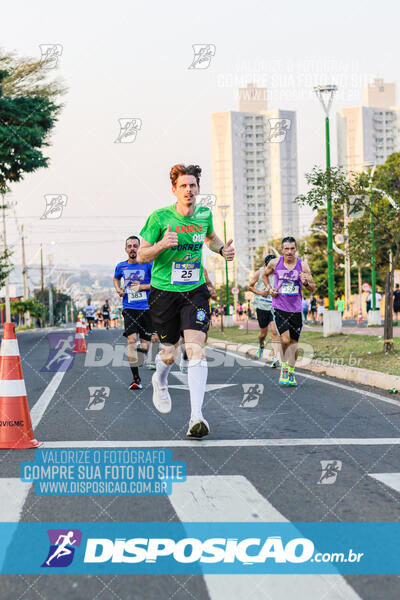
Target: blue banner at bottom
192,548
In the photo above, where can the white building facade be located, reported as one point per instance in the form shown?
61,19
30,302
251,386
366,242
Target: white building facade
254,168
369,134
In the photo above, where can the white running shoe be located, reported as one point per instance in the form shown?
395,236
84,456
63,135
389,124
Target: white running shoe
198,428
275,363
183,365
161,397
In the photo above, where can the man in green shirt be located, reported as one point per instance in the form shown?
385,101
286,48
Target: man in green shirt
340,305
173,239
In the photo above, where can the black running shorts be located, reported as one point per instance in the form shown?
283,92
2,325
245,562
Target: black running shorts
288,321
138,321
173,312
264,317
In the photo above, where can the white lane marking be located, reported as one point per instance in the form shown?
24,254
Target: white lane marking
223,443
210,387
182,377
17,490
13,493
390,479
343,386
40,406
256,362
234,498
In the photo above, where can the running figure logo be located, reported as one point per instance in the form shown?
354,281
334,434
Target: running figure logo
278,130
62,547
208,200
128,129
98,396
50,53
55,203
203,54
60,352
330,471
251,394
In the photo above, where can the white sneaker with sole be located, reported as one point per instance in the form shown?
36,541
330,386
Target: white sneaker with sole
161,397
198,428
275,363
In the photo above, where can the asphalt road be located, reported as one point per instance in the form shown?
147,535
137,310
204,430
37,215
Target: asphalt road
266,446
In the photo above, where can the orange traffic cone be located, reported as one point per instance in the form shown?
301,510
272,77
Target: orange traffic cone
84,325
79,344
15,421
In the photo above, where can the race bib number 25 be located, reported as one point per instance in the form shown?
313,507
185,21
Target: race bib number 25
185,273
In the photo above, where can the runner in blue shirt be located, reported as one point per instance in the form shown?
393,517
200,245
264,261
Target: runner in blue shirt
134,292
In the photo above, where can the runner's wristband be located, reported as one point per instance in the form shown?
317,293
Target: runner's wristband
220,250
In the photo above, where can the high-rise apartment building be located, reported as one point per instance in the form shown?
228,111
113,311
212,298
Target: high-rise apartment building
368,134
254,168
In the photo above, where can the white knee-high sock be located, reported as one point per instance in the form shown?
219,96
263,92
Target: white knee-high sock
162,370
197,379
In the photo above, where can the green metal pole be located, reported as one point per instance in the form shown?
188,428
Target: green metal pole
331,280
226,274
371,228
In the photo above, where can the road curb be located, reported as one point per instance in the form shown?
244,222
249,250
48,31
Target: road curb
383,381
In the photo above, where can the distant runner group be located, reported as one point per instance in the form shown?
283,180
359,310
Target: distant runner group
106,316
166,293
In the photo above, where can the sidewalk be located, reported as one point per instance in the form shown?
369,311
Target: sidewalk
359,330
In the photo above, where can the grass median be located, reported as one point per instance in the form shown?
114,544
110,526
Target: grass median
354,350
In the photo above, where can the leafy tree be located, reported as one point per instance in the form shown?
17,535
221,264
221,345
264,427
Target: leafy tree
20,307
60,300
262,251
25,122
28,112
314,248
351,190
28,77
222,290
34,307
5,266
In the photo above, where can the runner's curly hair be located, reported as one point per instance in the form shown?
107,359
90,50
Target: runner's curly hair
178,170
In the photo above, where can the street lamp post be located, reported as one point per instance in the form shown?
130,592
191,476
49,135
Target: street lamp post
372,238
325,95
224,210
332,321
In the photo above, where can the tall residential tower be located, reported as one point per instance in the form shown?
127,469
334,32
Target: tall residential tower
368,134
254,168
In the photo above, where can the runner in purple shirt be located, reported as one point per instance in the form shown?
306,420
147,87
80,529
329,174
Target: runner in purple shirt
290,274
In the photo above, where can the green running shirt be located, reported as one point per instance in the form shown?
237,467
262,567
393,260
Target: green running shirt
178,269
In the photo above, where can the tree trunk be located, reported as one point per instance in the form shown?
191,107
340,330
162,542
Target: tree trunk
388,327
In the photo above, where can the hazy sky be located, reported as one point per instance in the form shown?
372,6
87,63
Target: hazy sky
130,60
